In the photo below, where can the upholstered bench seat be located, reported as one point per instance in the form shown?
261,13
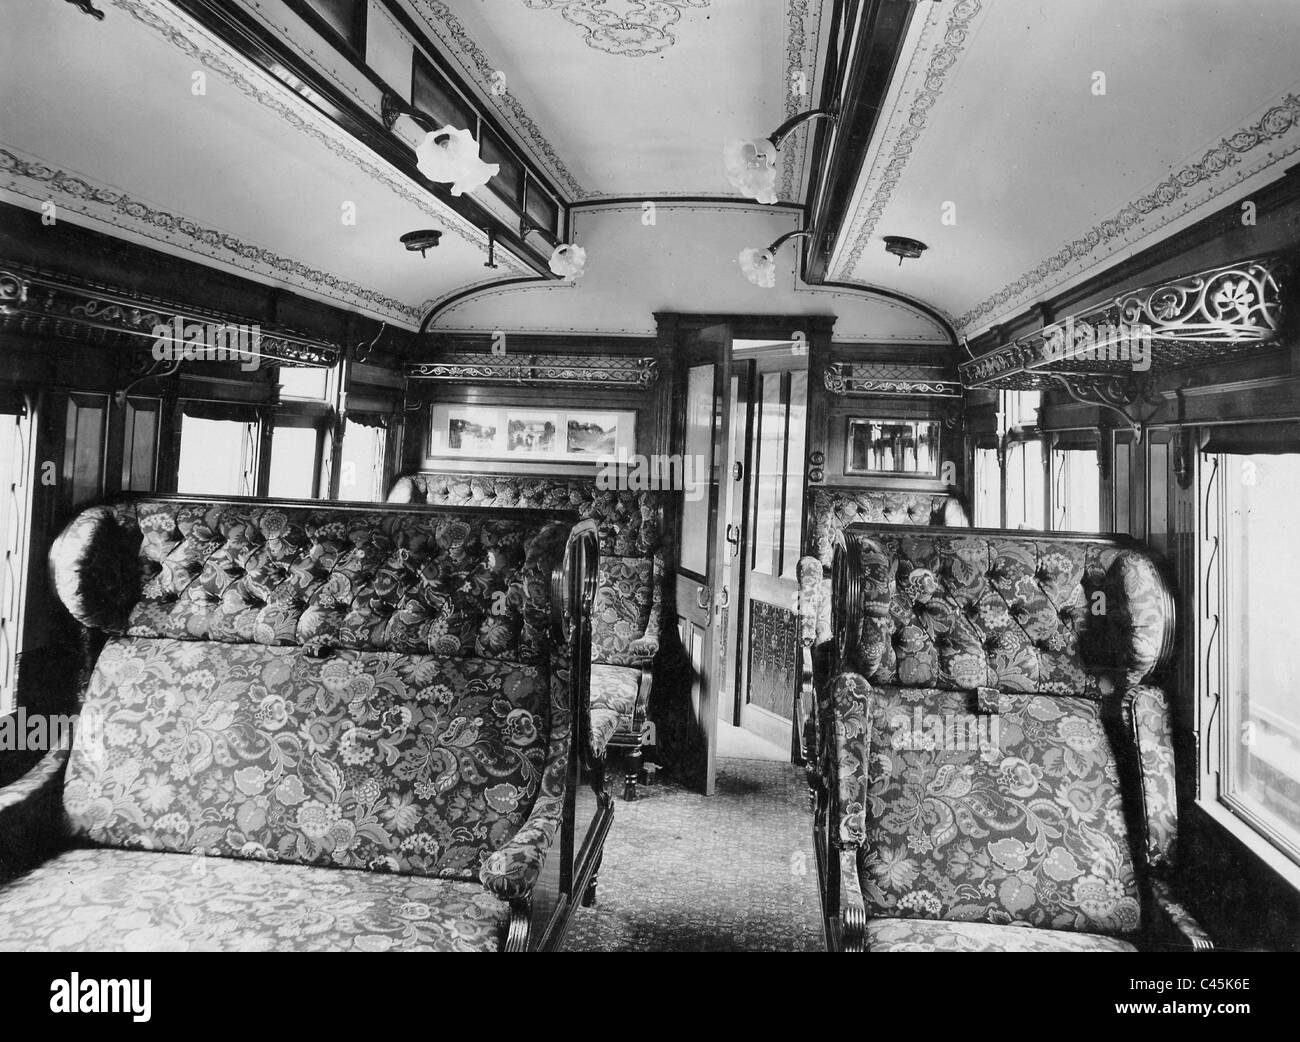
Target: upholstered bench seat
936,935
614,707
103,899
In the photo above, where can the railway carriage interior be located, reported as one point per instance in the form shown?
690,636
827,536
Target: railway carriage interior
693,475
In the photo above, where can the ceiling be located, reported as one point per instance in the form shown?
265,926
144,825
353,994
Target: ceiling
996,109
992,109
637,99
100,118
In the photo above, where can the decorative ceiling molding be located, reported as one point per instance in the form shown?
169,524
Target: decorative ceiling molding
450,31
634,34
803,19
33,179
1223,164
935,55
208,50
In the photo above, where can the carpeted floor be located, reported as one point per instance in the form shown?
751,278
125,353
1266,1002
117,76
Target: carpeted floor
732,872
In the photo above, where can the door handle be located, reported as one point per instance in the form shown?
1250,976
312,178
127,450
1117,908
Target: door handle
737,470
702,596
733,539
725,599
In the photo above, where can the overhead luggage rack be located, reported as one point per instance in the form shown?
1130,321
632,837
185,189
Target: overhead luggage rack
1107,354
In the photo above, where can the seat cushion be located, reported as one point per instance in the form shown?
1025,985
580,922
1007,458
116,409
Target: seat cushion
613,702
1007,816
100,899
930,935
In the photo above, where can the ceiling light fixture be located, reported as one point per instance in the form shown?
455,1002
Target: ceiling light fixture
424,239
901,246
759,265
443,154
751,165
568,260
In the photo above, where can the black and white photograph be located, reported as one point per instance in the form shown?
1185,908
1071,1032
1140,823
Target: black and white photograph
783,476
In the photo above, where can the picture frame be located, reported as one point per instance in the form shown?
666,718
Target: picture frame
892,446
527,434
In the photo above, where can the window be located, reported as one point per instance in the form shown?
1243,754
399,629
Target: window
1024,483
347,18
543,210
1254,579
15,505
1076,490
988,488
509,181
433,96
361,467
218,456
304,383
295,462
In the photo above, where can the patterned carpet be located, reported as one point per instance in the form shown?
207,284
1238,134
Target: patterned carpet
733,872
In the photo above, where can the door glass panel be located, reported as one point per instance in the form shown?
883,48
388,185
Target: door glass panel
794,463
770,456
699,447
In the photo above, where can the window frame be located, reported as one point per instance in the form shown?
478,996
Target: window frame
17,544
1214,674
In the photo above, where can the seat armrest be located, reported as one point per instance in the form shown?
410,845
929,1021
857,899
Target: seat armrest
512,871
29,807
1178,920
850,700
645,647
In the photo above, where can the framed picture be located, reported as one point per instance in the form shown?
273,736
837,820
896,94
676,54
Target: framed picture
900,447
592,434
529,434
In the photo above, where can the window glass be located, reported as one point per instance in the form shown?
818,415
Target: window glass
345,17
769,451
543,209
988,489
436,98
1076,490
15,501
794,464
1025,484
303,382
218,457
509,181
361,469
294,462
1260,575
700,405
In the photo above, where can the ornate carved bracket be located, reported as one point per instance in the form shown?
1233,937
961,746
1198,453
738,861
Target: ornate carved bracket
1188,321
564,370
100,316
846,378
1118,394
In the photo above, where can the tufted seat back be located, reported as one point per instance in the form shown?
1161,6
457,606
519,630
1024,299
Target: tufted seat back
1010,611
830,511
463,584
630,575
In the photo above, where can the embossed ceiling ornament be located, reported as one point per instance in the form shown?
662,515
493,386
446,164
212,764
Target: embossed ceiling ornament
640,28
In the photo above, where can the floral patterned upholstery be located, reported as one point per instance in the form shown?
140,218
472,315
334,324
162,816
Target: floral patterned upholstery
986,720
101,899
922,935
1014,612
310,688
626,619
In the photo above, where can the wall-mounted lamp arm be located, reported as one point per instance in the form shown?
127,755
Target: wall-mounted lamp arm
783,131
778,243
